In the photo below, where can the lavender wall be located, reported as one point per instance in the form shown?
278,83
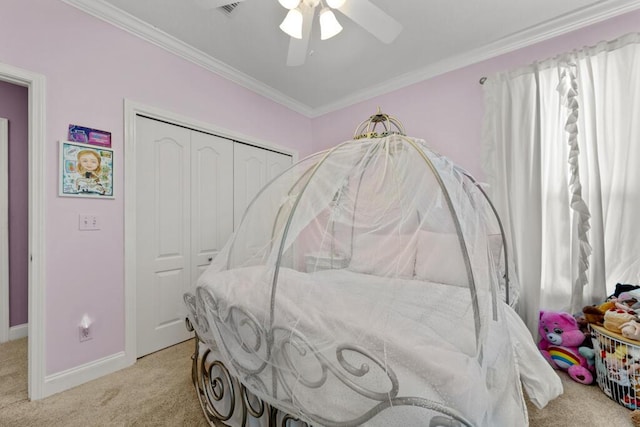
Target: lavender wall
447,110
14,107
90,67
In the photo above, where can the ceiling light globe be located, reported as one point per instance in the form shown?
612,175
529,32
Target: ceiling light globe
336,4
289,4
292,24
329,25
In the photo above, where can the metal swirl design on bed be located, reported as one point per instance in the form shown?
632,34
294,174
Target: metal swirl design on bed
250,352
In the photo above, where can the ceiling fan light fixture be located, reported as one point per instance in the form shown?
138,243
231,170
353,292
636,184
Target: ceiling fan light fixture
289,4
335,4
329,25
292,24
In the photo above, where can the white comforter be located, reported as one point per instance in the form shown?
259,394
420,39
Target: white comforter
424,331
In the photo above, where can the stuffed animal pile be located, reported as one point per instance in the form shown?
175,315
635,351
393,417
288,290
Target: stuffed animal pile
618,370
619,314
561,344
618,362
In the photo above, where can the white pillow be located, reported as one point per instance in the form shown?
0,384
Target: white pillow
384,255
439,259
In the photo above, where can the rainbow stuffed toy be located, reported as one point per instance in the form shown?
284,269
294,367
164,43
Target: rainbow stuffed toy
560,340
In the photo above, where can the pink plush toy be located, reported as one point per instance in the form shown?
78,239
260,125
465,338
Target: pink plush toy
560,339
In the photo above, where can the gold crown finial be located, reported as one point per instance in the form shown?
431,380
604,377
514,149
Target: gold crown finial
366,129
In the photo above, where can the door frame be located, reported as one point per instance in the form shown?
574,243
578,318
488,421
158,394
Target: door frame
4,230
35,84
131,110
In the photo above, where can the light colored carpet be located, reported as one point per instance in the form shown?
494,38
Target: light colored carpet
579,406
157,391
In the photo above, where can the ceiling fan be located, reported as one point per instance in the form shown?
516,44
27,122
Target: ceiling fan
299,21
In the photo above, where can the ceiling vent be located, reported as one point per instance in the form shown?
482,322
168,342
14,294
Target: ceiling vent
228,9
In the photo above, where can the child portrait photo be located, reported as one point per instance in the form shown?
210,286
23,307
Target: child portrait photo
85,170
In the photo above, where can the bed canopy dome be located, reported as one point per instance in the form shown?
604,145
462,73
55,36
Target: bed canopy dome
366,278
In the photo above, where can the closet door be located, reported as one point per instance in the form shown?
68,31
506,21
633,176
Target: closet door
253,168
249,176
163,233
277,163
184,215
211,198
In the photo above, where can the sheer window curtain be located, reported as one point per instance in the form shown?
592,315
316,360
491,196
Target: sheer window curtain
561,153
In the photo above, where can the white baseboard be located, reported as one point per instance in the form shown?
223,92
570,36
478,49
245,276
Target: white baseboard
17,332
73,377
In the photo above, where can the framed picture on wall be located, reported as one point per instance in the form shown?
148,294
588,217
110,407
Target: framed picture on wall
85,171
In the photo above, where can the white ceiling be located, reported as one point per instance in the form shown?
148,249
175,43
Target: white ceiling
438,36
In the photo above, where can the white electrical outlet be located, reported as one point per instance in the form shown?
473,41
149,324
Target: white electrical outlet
86,333
88,222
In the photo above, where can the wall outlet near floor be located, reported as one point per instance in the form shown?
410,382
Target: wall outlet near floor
84,328
86,333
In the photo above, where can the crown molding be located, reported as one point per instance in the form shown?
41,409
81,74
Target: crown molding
589,15
117,17
599,11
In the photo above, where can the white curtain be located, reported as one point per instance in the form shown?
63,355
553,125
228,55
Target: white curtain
561,150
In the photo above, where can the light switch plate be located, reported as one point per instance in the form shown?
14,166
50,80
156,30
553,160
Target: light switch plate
88,222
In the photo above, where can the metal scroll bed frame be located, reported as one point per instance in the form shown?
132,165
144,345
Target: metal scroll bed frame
226,401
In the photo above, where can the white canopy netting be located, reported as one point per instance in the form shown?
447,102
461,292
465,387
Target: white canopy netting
365,284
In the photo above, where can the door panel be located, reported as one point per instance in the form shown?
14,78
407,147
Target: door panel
168,185
277,163
163,233
169,284
211,198
254,167
250,175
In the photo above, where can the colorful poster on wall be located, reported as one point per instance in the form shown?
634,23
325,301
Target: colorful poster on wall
87,135
85,171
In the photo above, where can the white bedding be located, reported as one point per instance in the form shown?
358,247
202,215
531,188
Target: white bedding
413,335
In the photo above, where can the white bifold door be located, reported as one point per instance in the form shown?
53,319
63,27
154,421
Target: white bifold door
253,169
191,191
184,215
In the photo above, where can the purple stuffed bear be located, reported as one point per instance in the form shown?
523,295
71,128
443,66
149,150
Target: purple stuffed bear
560,339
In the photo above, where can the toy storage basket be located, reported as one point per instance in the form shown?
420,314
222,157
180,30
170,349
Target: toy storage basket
617,366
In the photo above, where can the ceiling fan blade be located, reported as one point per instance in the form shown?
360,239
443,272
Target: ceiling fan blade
372,18
298,47
213,4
